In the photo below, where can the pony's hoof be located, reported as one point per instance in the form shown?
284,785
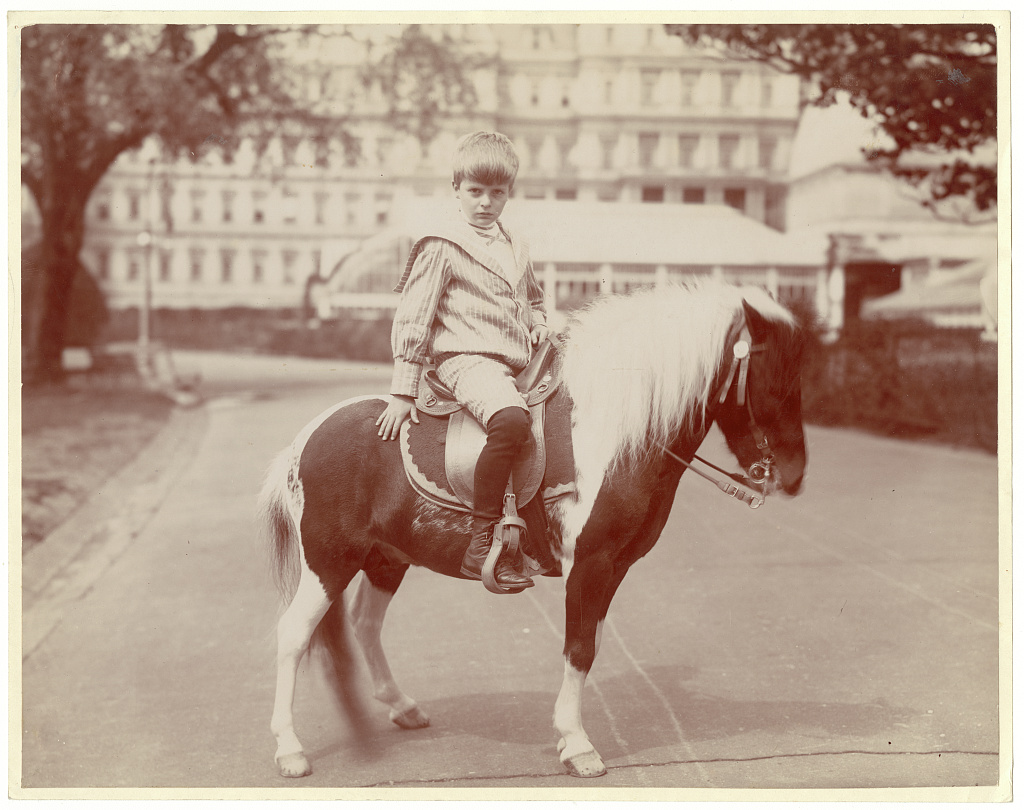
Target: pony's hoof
411,718
586,765
294,766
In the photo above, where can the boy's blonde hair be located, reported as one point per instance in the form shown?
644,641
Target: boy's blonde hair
487,157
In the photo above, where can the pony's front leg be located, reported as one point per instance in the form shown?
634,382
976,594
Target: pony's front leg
367,610
294,630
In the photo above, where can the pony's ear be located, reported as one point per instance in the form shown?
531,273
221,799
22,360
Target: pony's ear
758,325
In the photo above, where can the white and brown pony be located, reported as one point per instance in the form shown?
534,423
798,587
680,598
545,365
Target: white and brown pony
647,375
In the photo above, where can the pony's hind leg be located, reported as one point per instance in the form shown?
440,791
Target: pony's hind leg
588,593
294,630
366,610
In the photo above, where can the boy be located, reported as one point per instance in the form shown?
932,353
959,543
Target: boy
471,302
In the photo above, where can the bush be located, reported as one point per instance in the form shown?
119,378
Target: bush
906,379
242,329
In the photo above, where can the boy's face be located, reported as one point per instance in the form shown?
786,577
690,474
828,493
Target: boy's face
481,204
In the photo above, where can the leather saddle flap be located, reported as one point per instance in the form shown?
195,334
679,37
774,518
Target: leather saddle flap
439,455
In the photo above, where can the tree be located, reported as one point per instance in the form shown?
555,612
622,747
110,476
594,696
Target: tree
91,92
931,88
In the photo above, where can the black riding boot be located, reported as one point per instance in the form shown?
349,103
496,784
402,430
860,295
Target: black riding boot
507,430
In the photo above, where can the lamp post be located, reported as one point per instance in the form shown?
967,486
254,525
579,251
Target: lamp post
145,241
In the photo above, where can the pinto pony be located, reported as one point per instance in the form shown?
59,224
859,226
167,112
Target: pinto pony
647,375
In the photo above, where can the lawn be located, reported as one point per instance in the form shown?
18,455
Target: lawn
73,440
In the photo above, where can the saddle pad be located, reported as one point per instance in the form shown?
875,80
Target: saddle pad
423,455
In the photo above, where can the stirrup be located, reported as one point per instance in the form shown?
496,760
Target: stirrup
506,540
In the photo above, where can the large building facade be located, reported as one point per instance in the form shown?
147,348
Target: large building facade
599,113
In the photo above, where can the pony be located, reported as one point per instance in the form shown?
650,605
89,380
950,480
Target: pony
647,374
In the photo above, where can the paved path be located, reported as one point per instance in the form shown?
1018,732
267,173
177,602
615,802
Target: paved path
845,638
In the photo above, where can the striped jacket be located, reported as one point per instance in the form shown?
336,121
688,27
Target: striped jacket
458,299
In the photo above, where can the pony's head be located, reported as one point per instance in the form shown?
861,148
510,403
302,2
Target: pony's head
643,370
760,415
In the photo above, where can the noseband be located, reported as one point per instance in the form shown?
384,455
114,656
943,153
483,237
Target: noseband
759,472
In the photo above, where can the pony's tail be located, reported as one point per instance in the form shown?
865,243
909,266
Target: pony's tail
277,527
332,643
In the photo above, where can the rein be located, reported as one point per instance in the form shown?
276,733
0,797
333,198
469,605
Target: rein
760,471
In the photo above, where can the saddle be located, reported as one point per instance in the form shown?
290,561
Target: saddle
440,453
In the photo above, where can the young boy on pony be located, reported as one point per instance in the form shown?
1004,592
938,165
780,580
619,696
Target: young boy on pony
470,302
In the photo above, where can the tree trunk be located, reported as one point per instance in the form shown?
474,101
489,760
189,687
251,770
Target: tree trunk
45,309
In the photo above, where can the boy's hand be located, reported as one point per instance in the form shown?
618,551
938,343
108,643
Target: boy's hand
399,409
538,334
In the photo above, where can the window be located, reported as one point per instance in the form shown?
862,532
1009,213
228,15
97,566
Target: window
227,266
687,149
533,147
608,144
321,152
730,81
197,204
103,209
316,262
766,152
319,204
728,145
648,146
564,155
227,199
134,205
565,194
384,146
653,194
166,213
259,205
164,272
535,93
693,195
103,264
134,267
352,202
736,198
289,148
767,85
289,206
258,260
648,86
688,80
195,272
609,91
288,260
608,194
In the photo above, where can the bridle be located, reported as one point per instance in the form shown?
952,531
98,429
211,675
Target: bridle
759,472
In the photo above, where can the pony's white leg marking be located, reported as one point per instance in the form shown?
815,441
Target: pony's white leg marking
574,748
597,637
294,630
367,609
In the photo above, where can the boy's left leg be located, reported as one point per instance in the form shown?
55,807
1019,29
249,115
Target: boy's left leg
487,389
507,431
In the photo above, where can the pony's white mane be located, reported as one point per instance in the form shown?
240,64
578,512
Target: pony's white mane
639,367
